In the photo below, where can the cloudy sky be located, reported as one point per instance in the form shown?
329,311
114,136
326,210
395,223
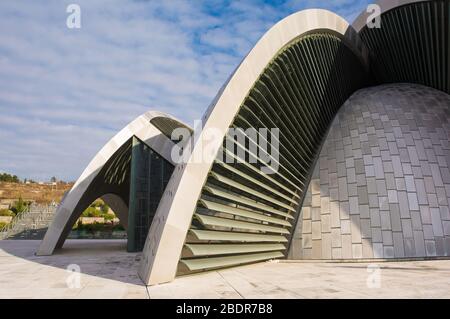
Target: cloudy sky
65,92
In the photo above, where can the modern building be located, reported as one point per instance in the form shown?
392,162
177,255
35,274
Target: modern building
363,170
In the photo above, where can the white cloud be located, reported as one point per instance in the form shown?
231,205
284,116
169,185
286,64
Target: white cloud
64,93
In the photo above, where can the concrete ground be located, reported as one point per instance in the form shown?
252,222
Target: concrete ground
108,271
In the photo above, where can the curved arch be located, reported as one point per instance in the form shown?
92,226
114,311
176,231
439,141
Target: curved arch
167,233
106,175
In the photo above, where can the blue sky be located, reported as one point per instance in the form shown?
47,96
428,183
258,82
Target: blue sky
65,92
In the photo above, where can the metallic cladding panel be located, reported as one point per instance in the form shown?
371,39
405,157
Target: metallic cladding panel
381,186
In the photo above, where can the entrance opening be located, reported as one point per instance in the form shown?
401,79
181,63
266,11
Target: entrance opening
122,199
99,221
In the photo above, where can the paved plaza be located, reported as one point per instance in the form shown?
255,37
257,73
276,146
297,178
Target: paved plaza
108,271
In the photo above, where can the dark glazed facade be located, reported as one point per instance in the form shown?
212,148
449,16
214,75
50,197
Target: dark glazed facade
149,174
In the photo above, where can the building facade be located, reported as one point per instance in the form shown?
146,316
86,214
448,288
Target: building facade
363,153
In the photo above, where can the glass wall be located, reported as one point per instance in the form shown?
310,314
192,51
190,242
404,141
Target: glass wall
149,176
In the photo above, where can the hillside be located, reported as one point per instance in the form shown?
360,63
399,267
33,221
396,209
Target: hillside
39,193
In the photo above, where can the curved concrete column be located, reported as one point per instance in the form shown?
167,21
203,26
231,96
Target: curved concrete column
173,217
77,199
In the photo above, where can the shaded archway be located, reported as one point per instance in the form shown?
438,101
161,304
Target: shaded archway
111,175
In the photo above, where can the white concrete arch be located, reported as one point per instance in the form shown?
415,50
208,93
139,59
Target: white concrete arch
173,217
142,128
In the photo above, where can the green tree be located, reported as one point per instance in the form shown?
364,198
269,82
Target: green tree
91,212
105,209
19,206
5,177
109,216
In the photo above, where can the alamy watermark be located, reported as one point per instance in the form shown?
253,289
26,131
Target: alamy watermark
73,20
73,280
244,145
374,278
374,18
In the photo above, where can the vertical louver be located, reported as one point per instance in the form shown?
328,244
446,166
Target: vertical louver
412,45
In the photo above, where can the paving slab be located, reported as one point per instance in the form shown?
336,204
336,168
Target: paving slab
108,271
